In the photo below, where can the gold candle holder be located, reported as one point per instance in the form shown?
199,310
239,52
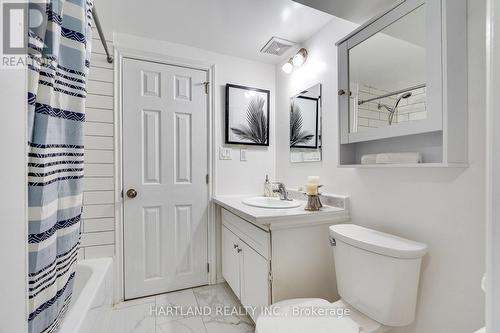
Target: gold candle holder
313,202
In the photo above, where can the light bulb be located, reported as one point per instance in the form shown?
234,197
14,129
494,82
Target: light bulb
287,67
298,60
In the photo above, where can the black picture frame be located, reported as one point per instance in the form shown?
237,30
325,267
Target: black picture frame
316,133
230,139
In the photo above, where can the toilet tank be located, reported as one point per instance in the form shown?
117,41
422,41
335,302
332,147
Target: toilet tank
377,273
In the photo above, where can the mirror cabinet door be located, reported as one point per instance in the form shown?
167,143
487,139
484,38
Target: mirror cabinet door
386,72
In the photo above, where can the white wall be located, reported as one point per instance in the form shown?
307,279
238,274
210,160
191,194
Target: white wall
441,207
13,237
98,237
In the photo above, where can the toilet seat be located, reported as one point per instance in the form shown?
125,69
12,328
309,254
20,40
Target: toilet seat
284,317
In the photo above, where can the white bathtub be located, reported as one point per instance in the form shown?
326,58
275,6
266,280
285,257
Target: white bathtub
92,297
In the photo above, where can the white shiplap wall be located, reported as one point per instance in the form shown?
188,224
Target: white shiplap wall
98,236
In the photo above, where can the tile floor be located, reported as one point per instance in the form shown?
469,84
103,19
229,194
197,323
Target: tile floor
155,314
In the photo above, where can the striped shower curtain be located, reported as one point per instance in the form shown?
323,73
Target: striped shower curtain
58,65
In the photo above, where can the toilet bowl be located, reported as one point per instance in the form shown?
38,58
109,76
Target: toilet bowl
377,279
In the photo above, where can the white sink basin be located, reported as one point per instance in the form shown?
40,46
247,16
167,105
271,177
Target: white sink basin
266,202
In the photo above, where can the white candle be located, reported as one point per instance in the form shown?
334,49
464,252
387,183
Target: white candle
313,180
312,189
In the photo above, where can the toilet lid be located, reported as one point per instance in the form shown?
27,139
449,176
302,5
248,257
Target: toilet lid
316,315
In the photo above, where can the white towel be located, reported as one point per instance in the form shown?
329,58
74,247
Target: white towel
369,159
399,158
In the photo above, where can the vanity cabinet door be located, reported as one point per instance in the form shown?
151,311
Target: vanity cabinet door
255,284
230,260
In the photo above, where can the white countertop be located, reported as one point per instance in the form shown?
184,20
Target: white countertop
269,219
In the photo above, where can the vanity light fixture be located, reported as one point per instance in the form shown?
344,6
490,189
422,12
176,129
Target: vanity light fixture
300,58
296,61
287,66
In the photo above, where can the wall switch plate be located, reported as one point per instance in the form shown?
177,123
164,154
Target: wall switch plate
296,157
311,157
224,153
243,154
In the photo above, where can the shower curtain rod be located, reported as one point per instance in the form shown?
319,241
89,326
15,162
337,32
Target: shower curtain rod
362,101
109,58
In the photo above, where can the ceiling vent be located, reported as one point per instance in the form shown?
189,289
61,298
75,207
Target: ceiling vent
277,46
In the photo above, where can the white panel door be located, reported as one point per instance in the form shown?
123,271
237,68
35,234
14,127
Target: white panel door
164,177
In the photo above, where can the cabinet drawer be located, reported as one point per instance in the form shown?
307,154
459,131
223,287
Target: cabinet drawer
255,237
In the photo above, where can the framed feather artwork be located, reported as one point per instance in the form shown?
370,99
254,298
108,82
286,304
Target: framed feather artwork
247,115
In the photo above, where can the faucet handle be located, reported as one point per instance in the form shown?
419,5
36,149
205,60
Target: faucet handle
282,191
281,187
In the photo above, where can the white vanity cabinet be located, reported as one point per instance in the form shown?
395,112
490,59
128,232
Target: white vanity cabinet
270,255
246,262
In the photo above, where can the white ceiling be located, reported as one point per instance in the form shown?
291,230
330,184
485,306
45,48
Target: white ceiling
234,27
357,11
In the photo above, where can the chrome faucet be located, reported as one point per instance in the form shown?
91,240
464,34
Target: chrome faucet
282,191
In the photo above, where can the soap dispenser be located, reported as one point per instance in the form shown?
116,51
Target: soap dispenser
268,188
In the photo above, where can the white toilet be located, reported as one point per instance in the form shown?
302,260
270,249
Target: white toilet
377,279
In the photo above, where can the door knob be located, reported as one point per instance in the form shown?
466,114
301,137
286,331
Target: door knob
131,193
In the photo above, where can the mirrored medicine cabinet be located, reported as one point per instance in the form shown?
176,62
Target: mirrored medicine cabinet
402,84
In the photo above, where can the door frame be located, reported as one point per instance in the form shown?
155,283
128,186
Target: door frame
121,53
492,166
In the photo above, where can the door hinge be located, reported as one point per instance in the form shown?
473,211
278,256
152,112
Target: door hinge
207,86
208,267
207,178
